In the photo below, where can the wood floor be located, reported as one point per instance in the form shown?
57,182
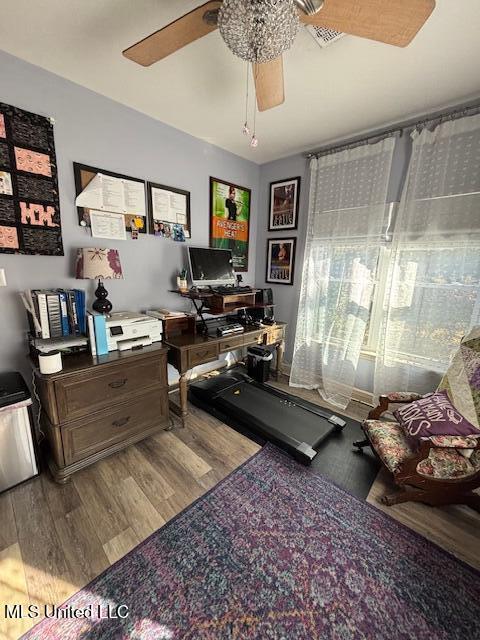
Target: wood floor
55,539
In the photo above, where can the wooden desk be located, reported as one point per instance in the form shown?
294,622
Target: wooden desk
187,352
96,406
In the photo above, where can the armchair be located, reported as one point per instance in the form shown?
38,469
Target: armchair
444,469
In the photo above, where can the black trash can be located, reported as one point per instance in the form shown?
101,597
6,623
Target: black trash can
258,363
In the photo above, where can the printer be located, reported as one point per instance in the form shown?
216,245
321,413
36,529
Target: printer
127,330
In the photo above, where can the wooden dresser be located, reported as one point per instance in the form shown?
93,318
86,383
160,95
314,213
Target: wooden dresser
96,406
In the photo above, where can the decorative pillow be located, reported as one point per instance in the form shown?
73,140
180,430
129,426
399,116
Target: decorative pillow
432,416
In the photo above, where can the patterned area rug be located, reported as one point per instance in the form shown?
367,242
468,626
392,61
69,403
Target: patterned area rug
276,551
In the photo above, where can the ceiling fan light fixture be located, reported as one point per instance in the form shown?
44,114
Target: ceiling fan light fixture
310,7
258,30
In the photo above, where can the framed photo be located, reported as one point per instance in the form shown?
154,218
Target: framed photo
284,199
168,211
280,260
230,220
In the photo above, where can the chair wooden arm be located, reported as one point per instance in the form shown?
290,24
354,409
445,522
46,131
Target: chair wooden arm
409,466
384,402
407,470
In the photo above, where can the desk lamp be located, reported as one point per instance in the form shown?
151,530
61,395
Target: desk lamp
99,264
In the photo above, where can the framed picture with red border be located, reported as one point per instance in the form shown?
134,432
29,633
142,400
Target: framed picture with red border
230,220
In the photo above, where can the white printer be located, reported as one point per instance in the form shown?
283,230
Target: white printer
127,330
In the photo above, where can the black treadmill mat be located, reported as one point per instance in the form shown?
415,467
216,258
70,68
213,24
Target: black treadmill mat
270,409
336,458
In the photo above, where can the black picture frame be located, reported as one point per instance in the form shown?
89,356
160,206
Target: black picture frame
271,243
275,217
183,192
80,171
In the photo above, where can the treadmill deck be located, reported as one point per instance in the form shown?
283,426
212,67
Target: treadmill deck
293,423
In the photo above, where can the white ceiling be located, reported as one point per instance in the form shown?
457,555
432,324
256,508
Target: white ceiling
353,86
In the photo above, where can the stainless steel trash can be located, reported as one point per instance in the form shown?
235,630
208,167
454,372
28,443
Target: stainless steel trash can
18,460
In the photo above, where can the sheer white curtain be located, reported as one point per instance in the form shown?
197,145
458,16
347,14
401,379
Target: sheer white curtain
432,294
346,228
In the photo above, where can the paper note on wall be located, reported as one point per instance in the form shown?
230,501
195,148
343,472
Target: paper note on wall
134,197
105,224
116,195
169,206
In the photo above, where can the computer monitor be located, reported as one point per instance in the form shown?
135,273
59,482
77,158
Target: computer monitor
211,266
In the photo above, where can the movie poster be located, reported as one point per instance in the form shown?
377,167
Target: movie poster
280,260
284,198
230,220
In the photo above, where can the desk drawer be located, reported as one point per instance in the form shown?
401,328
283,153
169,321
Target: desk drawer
83,438
84,393
201,354
253,338
230,344
274,335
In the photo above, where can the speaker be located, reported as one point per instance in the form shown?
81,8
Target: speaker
264,296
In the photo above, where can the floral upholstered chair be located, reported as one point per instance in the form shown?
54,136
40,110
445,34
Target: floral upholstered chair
444,469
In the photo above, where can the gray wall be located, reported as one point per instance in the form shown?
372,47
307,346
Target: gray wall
94,130
286,297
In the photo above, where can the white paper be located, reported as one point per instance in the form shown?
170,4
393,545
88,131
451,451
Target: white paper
91,197
113,197
134,194
169,206
105,224
117,195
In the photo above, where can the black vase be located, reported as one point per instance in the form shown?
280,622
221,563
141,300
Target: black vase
102,304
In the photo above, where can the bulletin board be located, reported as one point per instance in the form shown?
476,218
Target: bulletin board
168,207
29,203
135,215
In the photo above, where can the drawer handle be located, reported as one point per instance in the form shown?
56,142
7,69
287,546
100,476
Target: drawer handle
202,353
116,384
121,423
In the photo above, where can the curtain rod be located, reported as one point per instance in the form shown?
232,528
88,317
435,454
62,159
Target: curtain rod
399,128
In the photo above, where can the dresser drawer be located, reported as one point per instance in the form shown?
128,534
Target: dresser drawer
201,354
84,393
230,344
83,438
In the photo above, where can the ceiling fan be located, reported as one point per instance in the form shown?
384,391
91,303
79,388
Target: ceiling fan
260,30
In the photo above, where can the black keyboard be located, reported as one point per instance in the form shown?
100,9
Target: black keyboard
225,291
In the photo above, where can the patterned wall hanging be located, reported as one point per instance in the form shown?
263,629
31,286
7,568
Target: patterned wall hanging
29,204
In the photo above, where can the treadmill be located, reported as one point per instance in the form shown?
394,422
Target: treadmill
296,425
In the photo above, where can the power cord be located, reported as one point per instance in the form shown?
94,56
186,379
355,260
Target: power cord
39,412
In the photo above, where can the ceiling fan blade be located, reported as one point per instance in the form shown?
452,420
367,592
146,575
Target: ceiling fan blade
391,21
268,78
174,36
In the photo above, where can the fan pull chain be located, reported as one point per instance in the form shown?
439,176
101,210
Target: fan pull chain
254,139
246,128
